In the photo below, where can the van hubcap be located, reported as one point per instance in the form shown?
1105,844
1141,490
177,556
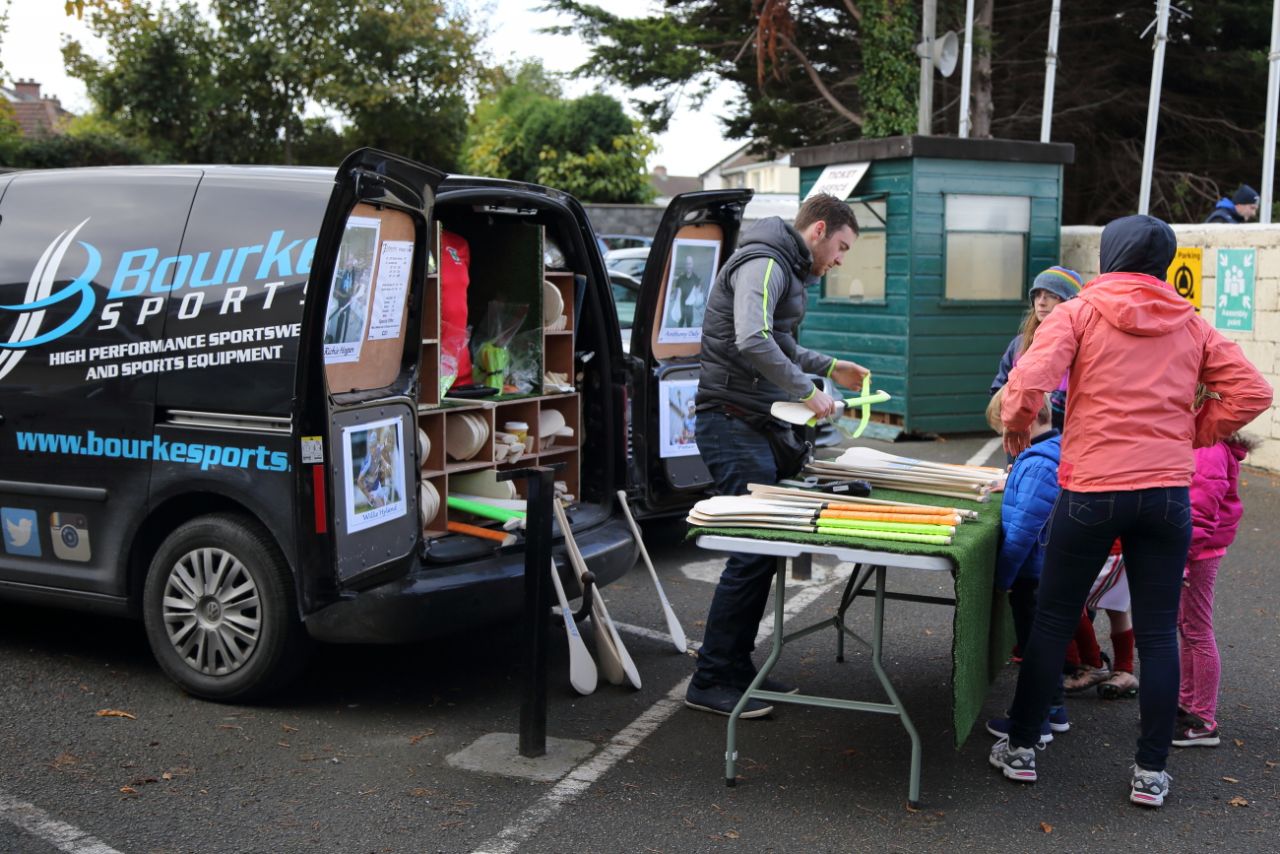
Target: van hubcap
211,611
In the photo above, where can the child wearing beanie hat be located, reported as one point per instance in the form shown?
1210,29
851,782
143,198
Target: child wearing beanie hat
1050,288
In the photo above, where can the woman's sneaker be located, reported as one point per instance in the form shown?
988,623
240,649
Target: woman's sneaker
1193,732
1016,763
1149,787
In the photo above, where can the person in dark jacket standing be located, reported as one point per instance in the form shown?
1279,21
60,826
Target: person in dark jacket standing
1241,207
751,359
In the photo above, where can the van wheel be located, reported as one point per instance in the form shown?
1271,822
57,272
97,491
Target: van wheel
220,610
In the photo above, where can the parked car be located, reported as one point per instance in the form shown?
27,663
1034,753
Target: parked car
624,241
630,261
212,379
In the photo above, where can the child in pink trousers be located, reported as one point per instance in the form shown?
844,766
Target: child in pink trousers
1215,516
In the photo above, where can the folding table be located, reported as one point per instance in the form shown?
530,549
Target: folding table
869,563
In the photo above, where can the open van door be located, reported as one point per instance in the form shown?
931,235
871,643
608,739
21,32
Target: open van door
359,355
697,234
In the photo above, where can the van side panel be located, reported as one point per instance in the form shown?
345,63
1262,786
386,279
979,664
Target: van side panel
83,292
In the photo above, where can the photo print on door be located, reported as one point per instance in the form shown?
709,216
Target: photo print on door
693,271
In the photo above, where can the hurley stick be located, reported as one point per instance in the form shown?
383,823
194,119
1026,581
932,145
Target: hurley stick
582,670
673,625
599,613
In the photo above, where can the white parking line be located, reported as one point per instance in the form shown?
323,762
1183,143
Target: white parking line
985,452
581,778
40,824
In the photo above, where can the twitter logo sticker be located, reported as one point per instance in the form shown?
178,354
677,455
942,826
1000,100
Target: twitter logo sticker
18,527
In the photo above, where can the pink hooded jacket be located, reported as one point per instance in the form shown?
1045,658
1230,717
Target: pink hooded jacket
1136,350
1215,499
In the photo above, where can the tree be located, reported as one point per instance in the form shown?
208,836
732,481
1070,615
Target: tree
393,75
829,70
524,130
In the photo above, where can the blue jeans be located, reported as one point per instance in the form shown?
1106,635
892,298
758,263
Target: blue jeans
736,455
1154,526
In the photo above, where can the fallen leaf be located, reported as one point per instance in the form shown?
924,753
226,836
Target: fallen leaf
167,775
1239,742
1046,827
1238,801
228,726
1271,763
911,808
128,790
732,834
929,632
288,728
414,739
1230,779
852,751
116,713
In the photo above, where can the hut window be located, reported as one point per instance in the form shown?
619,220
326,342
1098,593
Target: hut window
860,277
986,246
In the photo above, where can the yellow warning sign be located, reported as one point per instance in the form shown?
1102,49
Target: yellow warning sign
1184,274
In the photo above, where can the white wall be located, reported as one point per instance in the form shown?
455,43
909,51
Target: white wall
1262,345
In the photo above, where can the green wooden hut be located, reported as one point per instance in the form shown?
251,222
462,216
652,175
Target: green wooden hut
953,232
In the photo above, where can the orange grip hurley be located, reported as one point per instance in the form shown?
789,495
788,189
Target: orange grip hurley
877,516
483,533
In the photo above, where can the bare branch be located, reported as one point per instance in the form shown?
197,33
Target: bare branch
818,84
853,10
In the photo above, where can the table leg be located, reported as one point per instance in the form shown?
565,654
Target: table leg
877,639
857,581
779,600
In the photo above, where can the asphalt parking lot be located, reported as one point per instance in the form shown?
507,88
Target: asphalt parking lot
358,759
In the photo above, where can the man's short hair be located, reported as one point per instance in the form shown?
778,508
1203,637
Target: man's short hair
826,208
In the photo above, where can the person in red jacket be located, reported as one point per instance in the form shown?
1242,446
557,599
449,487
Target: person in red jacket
1215,516
1136,351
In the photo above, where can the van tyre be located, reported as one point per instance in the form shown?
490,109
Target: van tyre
220,610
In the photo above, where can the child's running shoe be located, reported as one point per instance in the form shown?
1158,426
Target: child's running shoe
1119,684
999,727
1085,677
1016,763
1194,732
1058,719
1149,787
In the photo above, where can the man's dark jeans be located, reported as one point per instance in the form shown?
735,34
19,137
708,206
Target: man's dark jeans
736,455
1154,526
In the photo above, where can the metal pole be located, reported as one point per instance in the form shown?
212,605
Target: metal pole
966,70
537,606
925,123
1273,92
1050,71
1153,105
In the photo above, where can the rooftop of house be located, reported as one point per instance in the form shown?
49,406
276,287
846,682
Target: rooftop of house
36,114
667,186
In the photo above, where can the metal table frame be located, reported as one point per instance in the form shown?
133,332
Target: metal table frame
869,563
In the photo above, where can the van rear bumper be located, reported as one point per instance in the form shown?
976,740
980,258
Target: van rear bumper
435,600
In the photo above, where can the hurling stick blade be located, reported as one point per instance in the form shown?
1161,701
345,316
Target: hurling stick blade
598,608
582,670
673,624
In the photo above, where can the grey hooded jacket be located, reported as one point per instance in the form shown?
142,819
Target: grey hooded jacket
750,356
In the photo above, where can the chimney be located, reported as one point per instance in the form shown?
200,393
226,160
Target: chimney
27,89
660,172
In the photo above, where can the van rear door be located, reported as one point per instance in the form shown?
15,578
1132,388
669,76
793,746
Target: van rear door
358,374
697,234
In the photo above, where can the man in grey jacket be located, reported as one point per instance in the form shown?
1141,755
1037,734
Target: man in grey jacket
750,359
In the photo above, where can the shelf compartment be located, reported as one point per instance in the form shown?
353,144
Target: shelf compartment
432,423
568,407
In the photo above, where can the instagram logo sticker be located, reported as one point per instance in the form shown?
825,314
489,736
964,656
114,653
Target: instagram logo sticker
70,535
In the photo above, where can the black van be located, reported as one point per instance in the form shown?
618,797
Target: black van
213,381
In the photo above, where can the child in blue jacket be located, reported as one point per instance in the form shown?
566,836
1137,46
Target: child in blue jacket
1029,495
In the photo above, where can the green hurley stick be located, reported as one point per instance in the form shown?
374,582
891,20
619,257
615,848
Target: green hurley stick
902,527
929,539
488,511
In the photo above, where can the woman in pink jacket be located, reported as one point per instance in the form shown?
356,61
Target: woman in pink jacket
1136,351
1215,516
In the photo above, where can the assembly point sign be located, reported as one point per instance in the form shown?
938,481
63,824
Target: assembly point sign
1234,306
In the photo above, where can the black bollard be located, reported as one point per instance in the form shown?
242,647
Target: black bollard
537,603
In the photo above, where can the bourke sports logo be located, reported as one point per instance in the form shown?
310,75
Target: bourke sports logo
40,296
142,284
